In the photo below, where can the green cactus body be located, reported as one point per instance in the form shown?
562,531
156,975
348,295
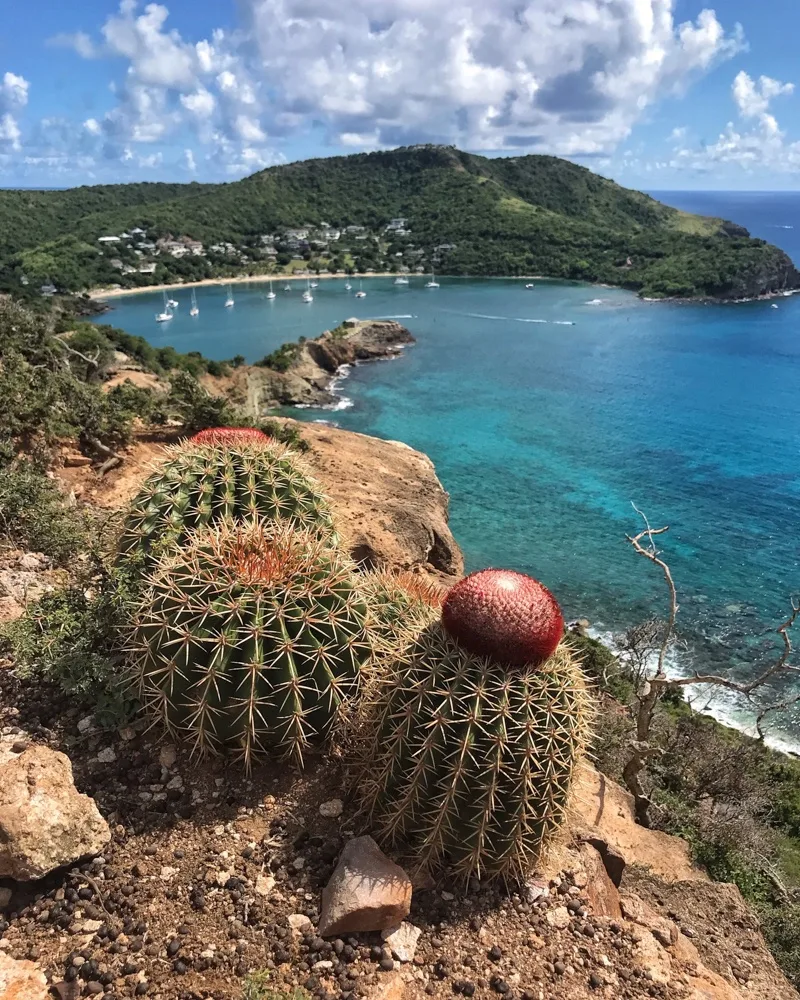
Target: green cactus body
205,484
251,639
469,763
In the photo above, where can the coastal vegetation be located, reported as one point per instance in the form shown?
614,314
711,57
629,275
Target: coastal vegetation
409,209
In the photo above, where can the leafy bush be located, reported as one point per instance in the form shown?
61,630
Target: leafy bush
287,434
280,360
195,407
35,515
71,637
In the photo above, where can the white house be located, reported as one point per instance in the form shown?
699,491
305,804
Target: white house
108,239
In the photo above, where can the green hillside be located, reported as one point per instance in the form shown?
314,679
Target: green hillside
520,215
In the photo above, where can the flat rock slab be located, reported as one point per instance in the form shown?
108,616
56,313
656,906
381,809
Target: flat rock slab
44,821
367,891
21,980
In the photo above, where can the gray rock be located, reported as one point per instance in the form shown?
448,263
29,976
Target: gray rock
367,891
332,809
44,821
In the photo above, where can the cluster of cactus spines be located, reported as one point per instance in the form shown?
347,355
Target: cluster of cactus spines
228,435
468,761
507,616
400,603
251,639
205,484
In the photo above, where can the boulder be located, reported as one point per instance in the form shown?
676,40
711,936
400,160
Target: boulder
21,980
44,821
367,891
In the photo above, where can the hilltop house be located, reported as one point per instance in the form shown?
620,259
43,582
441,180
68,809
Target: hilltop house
147,269
108,239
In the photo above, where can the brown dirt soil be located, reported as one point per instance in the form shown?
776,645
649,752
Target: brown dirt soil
145,380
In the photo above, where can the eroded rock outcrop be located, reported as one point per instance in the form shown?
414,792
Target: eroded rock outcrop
44,821
21,980
316,362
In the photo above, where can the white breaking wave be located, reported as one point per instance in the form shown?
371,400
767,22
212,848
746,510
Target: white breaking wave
398,316
719,703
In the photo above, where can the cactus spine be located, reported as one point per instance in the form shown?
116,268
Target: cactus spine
204,484
250,639
468,761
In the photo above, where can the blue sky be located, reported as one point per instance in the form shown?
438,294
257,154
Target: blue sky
659,94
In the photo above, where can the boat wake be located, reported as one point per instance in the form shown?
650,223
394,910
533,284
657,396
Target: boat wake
398,316
512,319
593,302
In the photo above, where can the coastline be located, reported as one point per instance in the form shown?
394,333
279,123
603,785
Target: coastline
101,294
115,293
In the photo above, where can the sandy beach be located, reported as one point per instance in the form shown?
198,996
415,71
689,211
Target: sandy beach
109,293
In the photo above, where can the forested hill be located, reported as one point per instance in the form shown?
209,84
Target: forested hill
467,214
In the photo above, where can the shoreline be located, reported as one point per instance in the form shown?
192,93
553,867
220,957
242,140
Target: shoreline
114,293
101,294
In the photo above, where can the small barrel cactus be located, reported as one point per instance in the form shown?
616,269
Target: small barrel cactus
467,759
204,484
250,639
228,435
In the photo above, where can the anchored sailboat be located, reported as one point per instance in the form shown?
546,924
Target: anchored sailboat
194,310
433,283
270,293
307,296
229,301
361,294
162,317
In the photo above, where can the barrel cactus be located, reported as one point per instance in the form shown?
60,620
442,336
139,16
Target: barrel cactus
228,435
205,484
250,639
467,758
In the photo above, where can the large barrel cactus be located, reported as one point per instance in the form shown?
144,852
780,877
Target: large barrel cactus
202,484
467,758
251,639
228,435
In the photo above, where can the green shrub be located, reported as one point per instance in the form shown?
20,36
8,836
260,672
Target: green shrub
71,638
287,434
280,360
196,408
35,514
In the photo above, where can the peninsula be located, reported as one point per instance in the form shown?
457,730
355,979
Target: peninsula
406,211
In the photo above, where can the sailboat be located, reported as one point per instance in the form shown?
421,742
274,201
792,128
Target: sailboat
361,294
433,283
172,303
314,284
162,317
307,296
270,293
194,311
229,301
287,288
401,280
347,286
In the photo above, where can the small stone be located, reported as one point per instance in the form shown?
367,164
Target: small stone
559,968
332,809
300,924
21,980
387,964
168,873
298,864
127,733
367,891
448,897
167,756
5,897
495,953
402,941
264,884
595,981
106,756
559,917
499,985
86,724
322,965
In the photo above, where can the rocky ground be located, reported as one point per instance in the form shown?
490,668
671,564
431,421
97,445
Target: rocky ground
209,884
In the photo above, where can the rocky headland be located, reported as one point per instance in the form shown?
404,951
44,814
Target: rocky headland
300,374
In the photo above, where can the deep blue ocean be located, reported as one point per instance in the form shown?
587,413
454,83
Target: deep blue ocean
549,411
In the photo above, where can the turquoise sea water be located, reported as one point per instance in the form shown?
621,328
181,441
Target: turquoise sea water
548,411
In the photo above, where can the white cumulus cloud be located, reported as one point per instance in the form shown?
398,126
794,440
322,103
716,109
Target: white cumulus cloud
756,142
14,91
